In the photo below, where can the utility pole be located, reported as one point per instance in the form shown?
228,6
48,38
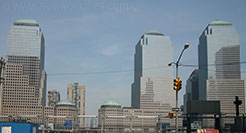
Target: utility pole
177,66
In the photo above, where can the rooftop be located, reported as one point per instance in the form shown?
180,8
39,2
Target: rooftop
154,32
26,22
220,22
65,102
111,103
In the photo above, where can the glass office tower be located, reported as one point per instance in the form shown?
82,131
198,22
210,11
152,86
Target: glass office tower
219,66
25,79
152,87
191,89
25,38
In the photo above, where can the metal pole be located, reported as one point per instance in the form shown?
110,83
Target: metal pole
43,131
43,120
46,121
176,120
243,124
160,126
131,123
102,125
73,122
177,65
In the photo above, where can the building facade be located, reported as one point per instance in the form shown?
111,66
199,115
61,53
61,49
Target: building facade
114,118
24,89
53,97
152,76
219,66
191,88
2,66
65,111
76,95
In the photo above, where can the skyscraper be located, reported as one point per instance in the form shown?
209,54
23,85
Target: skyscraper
219,66
53,97
25,83
152,87
76,95
191,88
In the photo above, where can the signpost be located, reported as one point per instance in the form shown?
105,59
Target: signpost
207,131
6,129
68,124
176,109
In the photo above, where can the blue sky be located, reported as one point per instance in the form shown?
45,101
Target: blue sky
84,36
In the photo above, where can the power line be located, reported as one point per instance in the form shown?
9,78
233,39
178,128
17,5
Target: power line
87,73
132,70
206,66
105,72
224,64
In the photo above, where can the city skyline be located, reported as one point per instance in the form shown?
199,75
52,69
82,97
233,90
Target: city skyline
92,35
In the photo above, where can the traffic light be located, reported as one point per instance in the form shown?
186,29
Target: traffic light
171,115
177,85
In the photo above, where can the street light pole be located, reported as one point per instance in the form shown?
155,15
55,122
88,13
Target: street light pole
131,123
102,124
177,66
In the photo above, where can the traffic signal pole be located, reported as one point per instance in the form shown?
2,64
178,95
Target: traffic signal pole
177,96
177,66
